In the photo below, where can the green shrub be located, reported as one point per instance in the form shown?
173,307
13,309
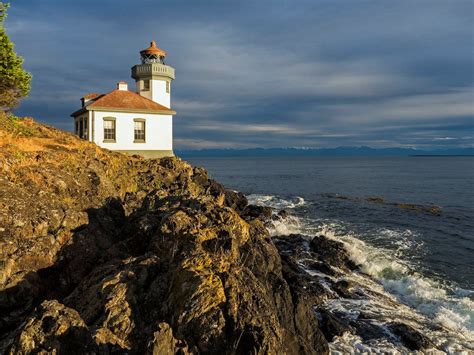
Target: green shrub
14,80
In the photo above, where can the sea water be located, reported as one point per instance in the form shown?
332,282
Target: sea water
408,221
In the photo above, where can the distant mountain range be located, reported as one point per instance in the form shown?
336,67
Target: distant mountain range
316,152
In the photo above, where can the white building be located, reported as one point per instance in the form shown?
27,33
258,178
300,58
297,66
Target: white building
134,122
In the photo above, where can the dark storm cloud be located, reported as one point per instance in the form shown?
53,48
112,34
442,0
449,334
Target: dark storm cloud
266,73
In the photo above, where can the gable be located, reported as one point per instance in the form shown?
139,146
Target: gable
125,101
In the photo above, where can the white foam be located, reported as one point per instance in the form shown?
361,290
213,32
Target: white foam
427,296
285,226
350,343
275,201
431,303
402,241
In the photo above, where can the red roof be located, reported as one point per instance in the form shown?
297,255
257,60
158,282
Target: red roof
153,49
91,96
123,100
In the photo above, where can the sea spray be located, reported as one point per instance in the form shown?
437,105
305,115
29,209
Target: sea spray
425,295
444,313
276,202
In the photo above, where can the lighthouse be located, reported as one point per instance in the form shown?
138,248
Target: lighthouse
133,122
153,77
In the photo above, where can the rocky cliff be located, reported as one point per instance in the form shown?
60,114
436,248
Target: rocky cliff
105,253
101,252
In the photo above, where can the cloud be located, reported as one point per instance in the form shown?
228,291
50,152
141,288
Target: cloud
246,128
413,108
267,73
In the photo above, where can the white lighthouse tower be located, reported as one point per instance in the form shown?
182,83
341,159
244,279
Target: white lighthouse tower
153,77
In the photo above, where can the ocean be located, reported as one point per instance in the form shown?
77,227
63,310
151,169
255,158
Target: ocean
409,222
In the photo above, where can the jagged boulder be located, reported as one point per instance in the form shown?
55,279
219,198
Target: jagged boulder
331,252
106,253
53,328
164,342
261,212
410,337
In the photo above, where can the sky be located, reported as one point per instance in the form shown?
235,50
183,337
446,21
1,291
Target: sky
279,73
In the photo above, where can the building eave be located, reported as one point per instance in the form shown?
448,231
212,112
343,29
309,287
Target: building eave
79,112
120,109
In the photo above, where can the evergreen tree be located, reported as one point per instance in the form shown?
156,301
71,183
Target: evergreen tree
14,80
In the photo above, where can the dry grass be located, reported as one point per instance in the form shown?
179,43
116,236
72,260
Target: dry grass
68,200
24,139
38,144
46,152
27,135
34,177
32,144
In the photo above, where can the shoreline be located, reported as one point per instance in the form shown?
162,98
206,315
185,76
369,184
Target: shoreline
397,291
121,254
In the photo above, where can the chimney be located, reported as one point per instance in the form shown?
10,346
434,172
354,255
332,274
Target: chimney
122,85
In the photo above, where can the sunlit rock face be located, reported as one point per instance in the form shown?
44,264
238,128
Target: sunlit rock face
102,252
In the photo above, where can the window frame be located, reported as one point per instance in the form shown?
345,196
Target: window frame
81,128
135,140
114,120
168,86
145,86
86,128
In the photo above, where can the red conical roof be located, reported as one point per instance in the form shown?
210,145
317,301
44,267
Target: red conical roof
153,49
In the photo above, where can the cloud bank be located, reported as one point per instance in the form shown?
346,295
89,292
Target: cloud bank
267,73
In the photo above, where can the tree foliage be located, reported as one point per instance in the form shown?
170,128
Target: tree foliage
14,80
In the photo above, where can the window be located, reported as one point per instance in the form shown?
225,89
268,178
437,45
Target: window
86,131
139,129
81,128
146,85
167,87
109,129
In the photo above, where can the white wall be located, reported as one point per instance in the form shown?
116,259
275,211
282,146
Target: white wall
140,86
158,92
158,131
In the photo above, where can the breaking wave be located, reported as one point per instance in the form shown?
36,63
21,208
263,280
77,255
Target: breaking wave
276,202
442,303
444,312
279,226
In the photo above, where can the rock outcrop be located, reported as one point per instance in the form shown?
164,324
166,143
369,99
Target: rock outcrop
320,269
105,253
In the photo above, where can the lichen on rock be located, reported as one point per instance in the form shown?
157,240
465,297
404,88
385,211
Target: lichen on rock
102,252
